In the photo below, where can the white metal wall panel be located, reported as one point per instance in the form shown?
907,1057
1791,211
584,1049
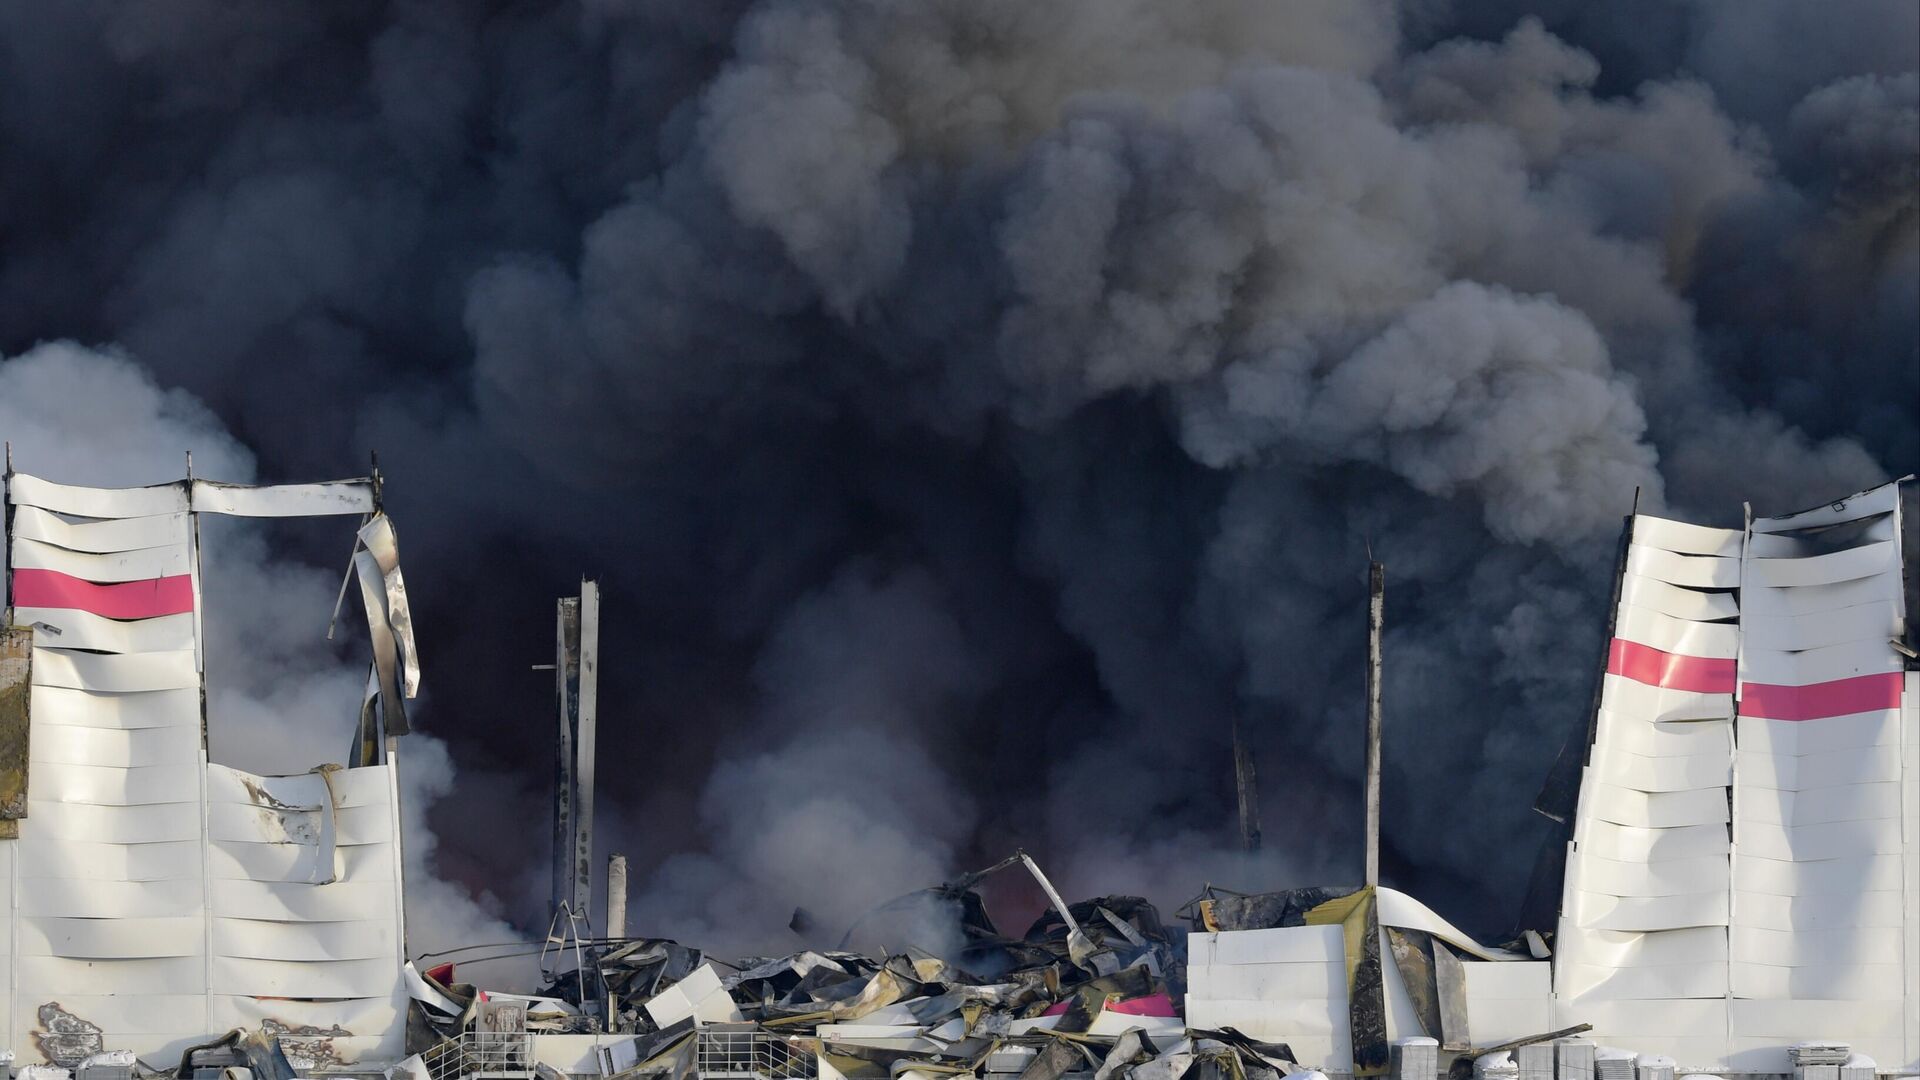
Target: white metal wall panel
1819,929
1647,901
155,896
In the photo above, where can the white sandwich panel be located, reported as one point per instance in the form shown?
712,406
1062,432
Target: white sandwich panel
1696,571
100,537
61,706
160,499
1651,594
72,628
140,564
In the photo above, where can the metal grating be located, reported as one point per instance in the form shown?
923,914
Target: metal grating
481,1054
745,1052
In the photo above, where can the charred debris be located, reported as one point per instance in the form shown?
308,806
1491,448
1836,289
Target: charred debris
1090,988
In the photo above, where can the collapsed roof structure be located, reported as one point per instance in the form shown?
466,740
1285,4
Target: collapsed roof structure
1738,867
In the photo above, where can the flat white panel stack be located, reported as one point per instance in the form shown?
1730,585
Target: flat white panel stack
1283,985
1508,1000
157,899
1643,928
1818,934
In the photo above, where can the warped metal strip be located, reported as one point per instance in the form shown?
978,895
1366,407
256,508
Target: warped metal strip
1651,594
1818,806
1868,982
293,863
240,823
78,860
112,939
300,902
160,499
118,673
145,1014
310,942
115,748
1873,623
1840,698
1819,769
1673,878
1685,537
1646,914
1839,874
120,600
1625,949
56,978
1830,569
101,537
81,899
1879,909
1629,843
1703,640
1793,738
1868,503
109,786
1826,664
1655,810
71,628
152,824
66,706
288,978
1804,843
323,499
143,564
1697,571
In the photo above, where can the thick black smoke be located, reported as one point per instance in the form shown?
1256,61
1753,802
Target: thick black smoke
971,406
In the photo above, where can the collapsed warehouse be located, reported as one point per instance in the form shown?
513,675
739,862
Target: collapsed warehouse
1737,869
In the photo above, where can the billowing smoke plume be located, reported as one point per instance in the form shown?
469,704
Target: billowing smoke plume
971,407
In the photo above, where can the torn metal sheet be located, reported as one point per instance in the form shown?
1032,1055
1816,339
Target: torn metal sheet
383,544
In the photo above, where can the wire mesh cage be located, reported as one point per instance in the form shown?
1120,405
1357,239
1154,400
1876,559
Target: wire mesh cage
480,1054
747,1052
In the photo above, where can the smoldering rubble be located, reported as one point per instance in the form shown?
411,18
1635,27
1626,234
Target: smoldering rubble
1094,988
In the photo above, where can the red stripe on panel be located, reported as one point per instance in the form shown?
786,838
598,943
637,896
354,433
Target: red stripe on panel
1646,664
1841,697
124,600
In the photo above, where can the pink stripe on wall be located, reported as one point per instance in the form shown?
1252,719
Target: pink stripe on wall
124,600
1646,664
1841,697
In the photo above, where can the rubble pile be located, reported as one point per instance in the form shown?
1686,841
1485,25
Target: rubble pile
1093,992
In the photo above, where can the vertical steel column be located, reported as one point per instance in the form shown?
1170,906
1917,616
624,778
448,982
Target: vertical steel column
1376,602
566,670
576,671
585,708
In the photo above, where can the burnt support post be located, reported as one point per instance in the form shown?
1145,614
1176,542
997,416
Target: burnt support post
1243,782
1376,602
616,896
576,672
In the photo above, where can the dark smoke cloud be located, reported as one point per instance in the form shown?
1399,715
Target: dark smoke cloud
971,406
